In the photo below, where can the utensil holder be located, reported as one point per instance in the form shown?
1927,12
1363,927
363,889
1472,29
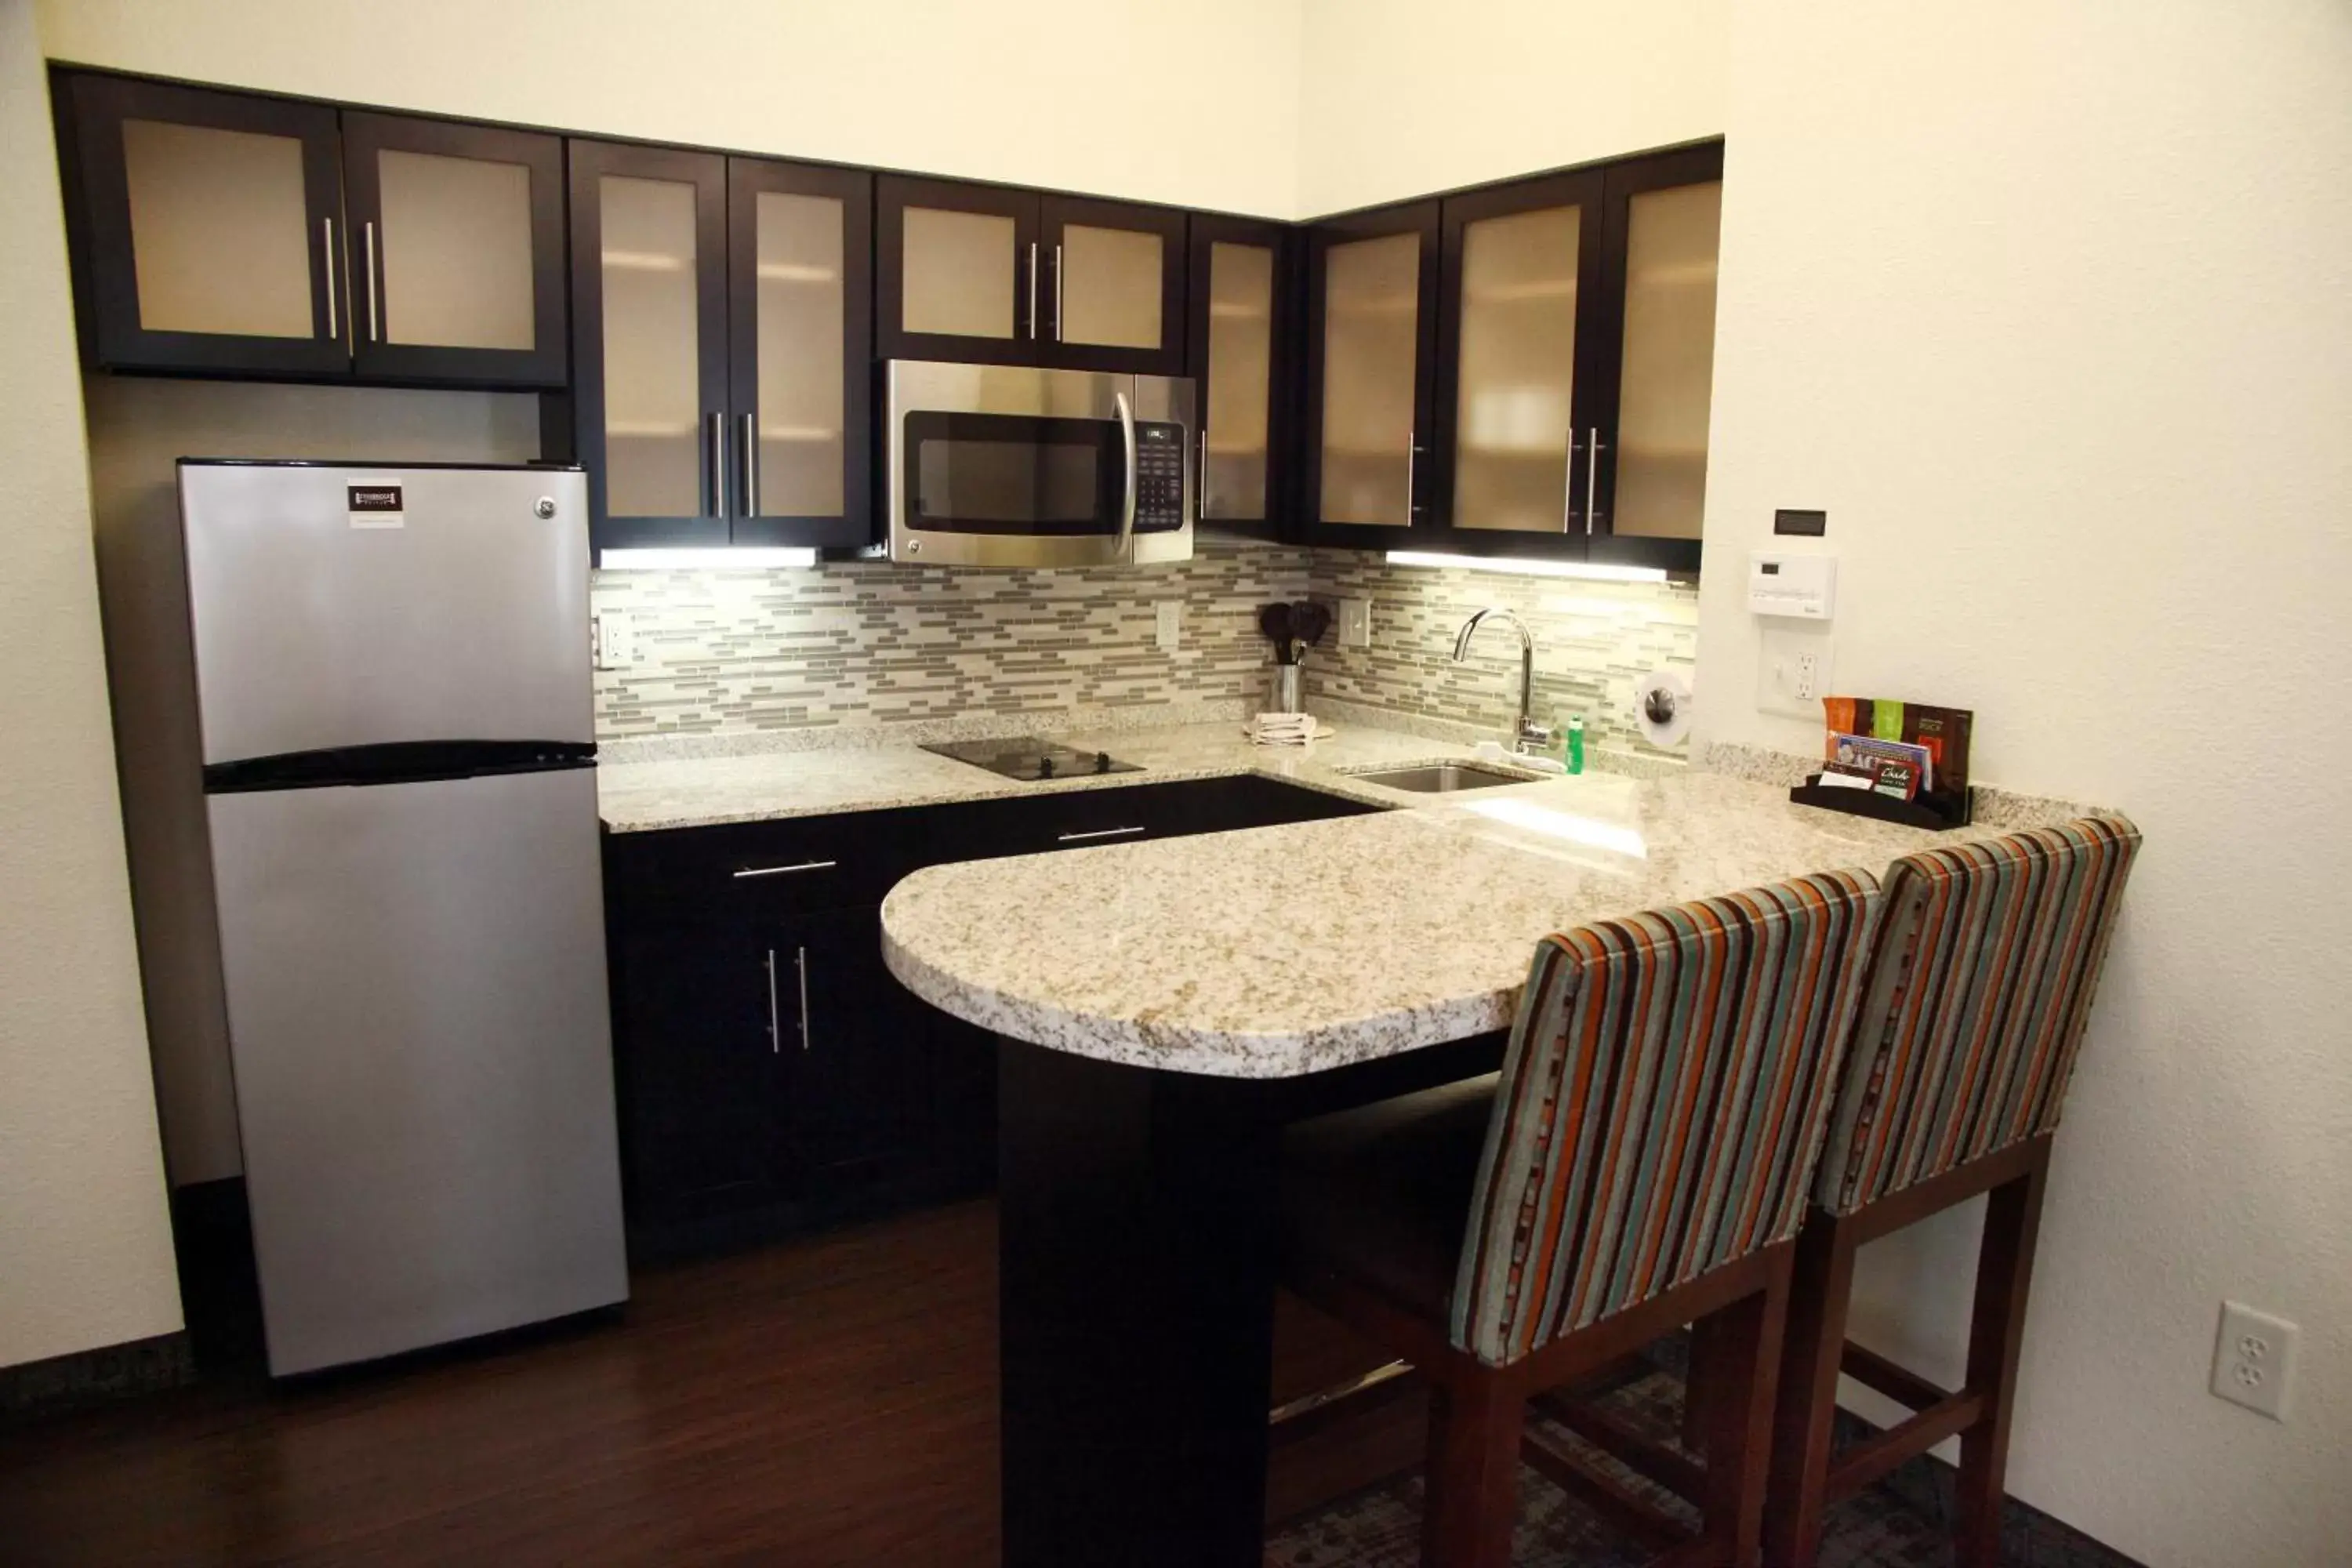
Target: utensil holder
1283,692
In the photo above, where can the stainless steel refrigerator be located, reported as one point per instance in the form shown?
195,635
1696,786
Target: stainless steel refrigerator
393,682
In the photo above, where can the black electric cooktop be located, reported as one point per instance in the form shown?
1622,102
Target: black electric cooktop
1033,758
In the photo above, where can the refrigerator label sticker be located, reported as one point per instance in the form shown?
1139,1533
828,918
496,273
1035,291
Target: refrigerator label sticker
374,503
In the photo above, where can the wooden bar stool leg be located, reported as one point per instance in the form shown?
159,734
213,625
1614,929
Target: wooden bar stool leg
1820,1295
1996,1335
1703,1378
1747,1339
1473,1498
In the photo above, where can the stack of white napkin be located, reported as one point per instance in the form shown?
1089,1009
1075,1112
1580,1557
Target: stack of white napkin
1283,728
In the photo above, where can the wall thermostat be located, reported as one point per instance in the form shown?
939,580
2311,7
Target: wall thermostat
1804,586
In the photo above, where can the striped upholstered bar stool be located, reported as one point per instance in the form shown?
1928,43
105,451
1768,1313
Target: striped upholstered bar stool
1641,1161
1974,1008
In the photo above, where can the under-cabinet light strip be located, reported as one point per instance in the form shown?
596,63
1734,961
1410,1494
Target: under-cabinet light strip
717,559
1590,571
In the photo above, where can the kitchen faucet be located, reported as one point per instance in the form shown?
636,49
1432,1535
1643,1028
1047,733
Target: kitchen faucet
1530,737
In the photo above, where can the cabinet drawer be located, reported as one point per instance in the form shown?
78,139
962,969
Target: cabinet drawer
698,875
1032,824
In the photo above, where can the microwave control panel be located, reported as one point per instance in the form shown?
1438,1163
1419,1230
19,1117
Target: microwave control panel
1159,477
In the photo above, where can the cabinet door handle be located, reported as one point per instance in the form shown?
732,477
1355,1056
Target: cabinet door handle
802,960
785,870
327,249
1200,479
1058,292
1099,833
775,1022
1568,484
368,228
750,465
717,458
1032,289
1412,453
1592,482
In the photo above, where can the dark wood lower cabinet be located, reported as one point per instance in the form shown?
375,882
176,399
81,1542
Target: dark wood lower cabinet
773,1076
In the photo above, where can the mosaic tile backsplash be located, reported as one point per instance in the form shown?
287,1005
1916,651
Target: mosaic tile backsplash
865,643
1594,642
872,643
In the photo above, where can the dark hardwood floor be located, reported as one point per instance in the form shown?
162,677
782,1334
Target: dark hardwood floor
828,1402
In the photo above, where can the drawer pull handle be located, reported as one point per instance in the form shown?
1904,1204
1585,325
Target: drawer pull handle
785,870
1099,833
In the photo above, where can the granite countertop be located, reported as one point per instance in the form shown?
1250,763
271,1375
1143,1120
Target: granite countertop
1283,950
703,792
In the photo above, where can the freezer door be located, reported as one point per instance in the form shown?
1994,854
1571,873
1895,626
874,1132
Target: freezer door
417,1027
325,614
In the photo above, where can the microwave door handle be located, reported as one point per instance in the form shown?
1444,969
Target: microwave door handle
1126,507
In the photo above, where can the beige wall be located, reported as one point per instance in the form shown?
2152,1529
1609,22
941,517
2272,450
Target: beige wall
2050,305
85,1245
1401,98
1194,104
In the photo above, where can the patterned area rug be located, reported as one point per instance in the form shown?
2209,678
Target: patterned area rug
1381,1526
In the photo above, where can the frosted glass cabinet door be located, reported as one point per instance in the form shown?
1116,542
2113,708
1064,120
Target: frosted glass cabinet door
802,345
1668,375
210,229
649,340
1656,376
957,271
1113,286
457,251
1521,265
1369,331
1241,358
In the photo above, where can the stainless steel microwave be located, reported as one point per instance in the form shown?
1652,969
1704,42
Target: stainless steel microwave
1011,466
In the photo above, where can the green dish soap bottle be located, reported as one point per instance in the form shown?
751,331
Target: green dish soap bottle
1575,748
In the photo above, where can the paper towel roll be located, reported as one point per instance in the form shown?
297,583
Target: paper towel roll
1662,706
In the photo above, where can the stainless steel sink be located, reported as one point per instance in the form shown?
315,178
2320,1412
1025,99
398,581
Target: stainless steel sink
1444,778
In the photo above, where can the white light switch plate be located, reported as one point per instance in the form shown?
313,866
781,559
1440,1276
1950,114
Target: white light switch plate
1171,624
1355,623
1793,668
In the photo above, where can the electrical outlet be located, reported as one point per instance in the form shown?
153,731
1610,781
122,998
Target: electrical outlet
616,640
1355,623
1171,623
1792,671
2253,1360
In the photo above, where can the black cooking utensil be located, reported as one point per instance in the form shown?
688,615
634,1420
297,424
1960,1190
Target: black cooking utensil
1308,621
1274,621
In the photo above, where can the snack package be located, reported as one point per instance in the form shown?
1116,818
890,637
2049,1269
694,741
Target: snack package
1941,734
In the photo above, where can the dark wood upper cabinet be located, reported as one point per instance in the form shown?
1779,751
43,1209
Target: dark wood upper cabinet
1555,337
1114,286
207,228
956,272
1243,351
1517,366
218,234
722,347
993,275
800,240
459,259
1656,373
1371,352
649,343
